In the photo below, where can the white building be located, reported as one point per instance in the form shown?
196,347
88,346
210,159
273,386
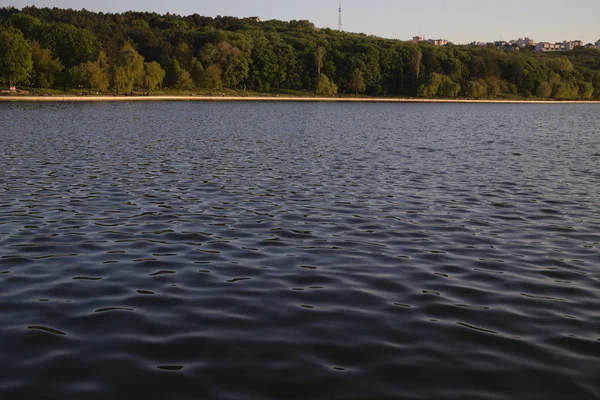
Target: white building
438,42
598,44
564,46
544,46
572,45
524,42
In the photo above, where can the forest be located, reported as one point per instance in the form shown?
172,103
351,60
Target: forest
77,50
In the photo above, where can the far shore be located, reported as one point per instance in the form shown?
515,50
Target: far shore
67,98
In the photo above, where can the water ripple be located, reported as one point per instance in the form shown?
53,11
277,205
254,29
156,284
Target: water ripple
266,251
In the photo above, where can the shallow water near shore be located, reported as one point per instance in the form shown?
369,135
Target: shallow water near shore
300,251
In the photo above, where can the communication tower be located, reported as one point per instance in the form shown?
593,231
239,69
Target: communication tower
340,17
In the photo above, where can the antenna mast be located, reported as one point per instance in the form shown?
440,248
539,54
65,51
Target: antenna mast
340,17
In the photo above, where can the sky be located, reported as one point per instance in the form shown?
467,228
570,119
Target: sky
460,21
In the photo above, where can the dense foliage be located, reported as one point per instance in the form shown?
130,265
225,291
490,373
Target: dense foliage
134,50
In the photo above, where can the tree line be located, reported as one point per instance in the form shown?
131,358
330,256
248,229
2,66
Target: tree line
65,48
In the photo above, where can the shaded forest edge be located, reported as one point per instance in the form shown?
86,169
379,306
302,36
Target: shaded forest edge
58,51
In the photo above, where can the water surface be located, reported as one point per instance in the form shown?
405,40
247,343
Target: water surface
300,251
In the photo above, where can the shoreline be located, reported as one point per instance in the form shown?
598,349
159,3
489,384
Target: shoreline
5,99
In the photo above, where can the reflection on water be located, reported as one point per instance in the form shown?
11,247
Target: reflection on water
233,250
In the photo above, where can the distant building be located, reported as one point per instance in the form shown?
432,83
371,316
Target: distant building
438,42
527,42
523,42
546,46
253,19
564,46
572,45
417,38
598,44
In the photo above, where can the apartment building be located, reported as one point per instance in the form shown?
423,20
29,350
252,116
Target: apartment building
438,42
564,46
524,42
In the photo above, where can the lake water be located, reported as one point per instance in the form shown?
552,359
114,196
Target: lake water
299,251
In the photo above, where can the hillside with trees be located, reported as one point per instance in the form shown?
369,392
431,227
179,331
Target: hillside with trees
67,49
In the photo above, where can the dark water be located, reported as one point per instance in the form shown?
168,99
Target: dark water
299,251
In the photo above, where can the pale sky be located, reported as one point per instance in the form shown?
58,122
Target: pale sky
460,21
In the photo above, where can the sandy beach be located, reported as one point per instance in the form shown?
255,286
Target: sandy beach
271,98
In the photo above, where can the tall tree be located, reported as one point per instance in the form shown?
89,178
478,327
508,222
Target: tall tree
197,72
266,68
153,75
16,61
357,81
46,70
183,55
94,76
233,59
129,67
212,78
29,25
71,45
544,90
325,87
319,57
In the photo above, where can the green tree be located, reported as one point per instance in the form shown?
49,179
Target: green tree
94,76
367,58
16,61
153,75
596,83
448,88
178,77
357,81
431,87
129,68
183,55
29,25
493,86
325,87
565,90
173,73
233,61
476,88
290,69
544,90
212,78
71,45
184,80
586,90
560,65
319,57
197,73
75,77
266,70
417,64
46,70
